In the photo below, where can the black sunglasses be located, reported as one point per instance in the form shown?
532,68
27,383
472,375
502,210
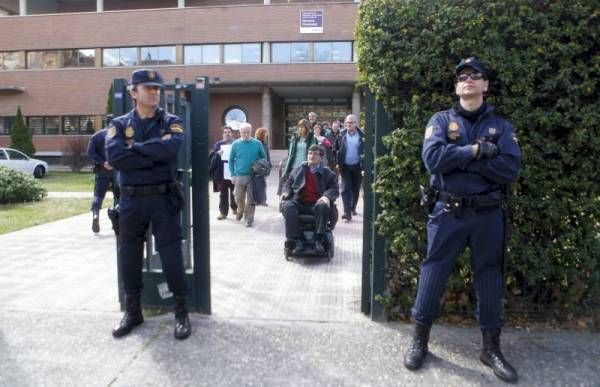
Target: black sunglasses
465,76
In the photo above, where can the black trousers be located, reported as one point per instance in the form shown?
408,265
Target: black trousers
226,197
351,181
291,209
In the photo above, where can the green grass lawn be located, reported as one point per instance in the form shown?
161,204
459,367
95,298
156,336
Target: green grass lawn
56,181
15,217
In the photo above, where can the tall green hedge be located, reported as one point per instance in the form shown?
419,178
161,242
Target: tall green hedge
545,64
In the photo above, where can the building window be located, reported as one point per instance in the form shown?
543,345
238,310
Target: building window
43,125
211,53
301,52
12,60
242,53
235,116
204,54
298,52
281,52
163,55
5,124
125,56
79,58
333,51
44,59
79,124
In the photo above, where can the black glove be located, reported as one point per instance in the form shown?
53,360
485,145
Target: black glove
486,150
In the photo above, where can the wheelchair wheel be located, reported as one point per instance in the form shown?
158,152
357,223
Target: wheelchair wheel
287,253
331,246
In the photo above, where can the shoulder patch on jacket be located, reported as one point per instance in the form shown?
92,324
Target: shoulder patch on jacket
112,131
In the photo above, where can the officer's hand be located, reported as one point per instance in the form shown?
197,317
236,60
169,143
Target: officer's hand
167,136
486,150
108,166
284,196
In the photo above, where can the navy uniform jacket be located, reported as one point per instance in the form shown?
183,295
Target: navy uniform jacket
97,152
448,155
136,149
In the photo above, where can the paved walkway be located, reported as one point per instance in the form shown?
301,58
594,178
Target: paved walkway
274,322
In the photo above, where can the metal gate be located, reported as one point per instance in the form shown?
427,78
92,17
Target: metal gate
378,123
189,101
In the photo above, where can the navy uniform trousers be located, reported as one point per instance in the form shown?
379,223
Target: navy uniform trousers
447,237
102,182
135,215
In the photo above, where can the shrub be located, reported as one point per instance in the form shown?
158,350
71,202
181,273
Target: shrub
17,187
20,138
74,153
545,64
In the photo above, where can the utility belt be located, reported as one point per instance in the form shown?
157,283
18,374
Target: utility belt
476,202
144,190
457,203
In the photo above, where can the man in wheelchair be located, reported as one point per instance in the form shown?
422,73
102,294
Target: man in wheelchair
311,189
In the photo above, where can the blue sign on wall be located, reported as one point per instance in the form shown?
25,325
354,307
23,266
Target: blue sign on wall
311,22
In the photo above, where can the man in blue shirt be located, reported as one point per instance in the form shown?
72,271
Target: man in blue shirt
348,149
105,174
471,155
143,146
244,152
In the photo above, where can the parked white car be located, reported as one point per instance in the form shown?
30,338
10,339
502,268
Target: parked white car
18,160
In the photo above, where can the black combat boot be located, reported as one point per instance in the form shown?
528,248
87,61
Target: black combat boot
183,328
415,356
132,318
95,221
493,358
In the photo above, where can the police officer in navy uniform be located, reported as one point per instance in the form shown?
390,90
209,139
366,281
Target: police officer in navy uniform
143,146
105,174
471,154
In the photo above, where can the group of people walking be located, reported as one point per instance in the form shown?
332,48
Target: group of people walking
238,168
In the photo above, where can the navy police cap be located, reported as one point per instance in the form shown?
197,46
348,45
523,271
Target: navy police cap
472,62
146,77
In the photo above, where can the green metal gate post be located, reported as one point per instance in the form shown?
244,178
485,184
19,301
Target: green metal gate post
379,124
365,305
199,119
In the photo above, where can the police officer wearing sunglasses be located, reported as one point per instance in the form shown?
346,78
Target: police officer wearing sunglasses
143,146
471,155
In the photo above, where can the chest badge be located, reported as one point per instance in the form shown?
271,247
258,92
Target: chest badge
129,132
492,131
453,132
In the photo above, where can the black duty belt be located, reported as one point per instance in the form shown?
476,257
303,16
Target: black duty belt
477,202
144,190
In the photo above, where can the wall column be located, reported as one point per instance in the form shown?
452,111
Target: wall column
267,2
267,112
356,103
99,5
22,7
180,3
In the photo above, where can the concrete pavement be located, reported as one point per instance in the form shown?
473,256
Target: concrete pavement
274,323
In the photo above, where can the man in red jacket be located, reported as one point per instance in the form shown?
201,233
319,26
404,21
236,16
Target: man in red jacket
310,189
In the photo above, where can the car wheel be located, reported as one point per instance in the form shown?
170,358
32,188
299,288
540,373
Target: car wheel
39,172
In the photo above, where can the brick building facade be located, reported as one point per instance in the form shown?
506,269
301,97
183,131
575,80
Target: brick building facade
58,67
